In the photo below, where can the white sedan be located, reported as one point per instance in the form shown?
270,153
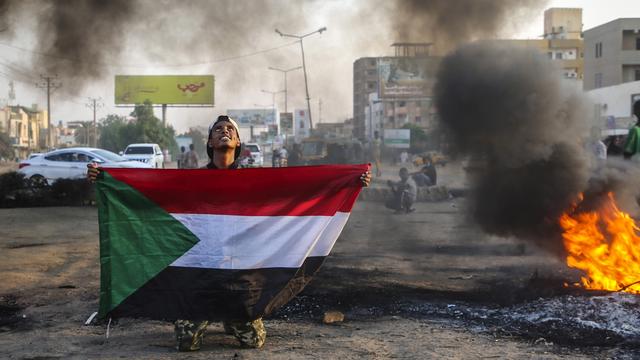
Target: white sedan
71,163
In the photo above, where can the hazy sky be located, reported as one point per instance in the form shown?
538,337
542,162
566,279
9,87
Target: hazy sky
352,33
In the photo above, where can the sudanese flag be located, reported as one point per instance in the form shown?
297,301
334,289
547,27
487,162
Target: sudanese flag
216,244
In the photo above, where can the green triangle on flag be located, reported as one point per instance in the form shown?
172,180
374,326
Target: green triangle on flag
138,239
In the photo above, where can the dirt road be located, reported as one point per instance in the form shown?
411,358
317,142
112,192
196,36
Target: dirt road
396,278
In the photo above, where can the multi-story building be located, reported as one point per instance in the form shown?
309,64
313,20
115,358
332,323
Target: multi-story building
612,53
26,128
398,88
561,42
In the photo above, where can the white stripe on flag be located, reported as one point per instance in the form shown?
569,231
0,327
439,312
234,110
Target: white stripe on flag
255,242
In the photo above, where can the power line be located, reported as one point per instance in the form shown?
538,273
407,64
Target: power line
205,62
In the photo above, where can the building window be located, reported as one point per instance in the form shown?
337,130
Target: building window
598,49
638,43
558,56
371,86
418,119
372,63
598,80
637,75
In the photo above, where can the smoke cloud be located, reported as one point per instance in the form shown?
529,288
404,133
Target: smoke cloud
506,108
447,23
82,35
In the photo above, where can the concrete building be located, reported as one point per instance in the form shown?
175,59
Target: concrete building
612,105
26,128
612,53
561,41
402,84
563,23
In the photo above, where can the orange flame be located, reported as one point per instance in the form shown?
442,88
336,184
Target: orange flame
605,245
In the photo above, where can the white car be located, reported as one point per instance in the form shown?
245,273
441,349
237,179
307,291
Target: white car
71,163
256,154
147,153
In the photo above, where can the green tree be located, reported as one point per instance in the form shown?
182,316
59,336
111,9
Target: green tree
6,150
419,138
116,132
149,128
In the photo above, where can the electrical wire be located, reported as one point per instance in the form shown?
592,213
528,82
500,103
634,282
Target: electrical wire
204,62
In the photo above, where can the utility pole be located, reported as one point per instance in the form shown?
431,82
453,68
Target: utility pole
49,84
285,81
95,103
319,111
304,65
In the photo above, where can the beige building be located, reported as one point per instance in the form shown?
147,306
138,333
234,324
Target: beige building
562,41
26,128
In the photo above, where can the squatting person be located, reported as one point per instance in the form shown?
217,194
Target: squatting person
223,149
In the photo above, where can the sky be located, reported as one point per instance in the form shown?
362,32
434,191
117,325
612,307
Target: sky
351,33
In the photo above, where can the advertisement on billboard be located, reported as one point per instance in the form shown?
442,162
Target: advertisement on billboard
405,77
301,124
165,89
286,123
397,138
254,117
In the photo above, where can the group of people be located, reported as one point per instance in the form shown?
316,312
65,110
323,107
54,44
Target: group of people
405,191
188,159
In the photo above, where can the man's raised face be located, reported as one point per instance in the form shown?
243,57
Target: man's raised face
224,135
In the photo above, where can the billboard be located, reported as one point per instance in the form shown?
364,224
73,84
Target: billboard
286,123
254,117
301,124
406,77
397,138
165,89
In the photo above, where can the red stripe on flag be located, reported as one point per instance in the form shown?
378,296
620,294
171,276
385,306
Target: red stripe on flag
292,191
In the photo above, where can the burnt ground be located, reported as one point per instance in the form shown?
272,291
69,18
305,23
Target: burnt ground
422,285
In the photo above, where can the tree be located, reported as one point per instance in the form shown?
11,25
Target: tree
150,128
116,132
419,138
6,150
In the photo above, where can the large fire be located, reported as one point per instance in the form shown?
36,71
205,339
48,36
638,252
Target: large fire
605,245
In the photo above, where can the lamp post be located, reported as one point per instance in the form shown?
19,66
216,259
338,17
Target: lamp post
304,66
285,81
273,96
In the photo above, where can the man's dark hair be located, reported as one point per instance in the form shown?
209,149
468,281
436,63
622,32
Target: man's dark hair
182,148
191,147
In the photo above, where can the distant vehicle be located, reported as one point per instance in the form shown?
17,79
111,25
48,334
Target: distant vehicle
70,163
320,151
32,155
147,153
256,154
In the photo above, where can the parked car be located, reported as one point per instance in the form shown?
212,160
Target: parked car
256,154
146,153
71,163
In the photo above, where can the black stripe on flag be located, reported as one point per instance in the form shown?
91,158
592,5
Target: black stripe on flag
215,294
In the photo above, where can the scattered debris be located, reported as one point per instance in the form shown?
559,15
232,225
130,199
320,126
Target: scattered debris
331,317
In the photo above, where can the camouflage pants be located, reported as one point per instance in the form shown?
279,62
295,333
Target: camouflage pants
189,334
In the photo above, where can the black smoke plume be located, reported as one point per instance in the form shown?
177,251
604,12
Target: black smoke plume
82,37
447,23
506,108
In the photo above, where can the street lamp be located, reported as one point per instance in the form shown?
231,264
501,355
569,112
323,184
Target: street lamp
273,96
285,81
304,66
